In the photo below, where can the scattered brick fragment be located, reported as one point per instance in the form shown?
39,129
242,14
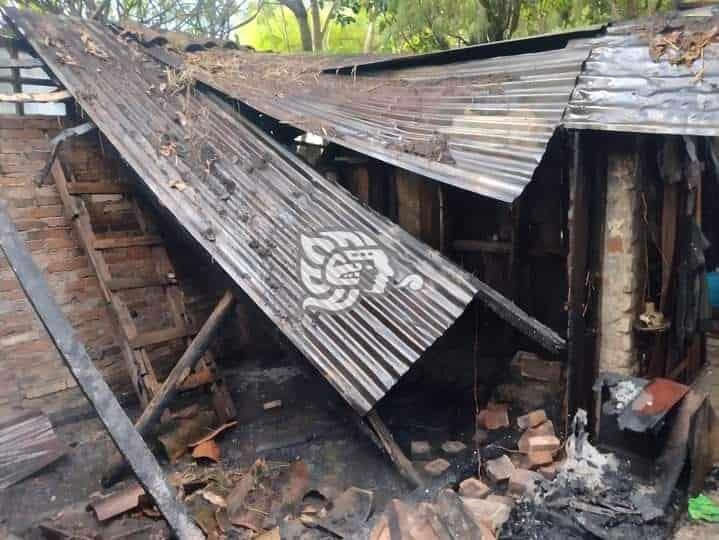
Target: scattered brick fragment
453,447
436,467
532,419
499,469
420,449
474,488
544,443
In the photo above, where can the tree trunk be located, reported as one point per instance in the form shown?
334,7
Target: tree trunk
368,38
300,13
316,26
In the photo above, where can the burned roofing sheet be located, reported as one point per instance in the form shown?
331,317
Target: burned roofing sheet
653,76
480,125
360,297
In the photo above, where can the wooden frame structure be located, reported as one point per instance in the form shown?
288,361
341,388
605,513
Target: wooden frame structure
136,345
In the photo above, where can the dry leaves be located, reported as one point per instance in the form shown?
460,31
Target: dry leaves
91,48
207,450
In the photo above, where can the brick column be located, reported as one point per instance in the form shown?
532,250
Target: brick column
621,286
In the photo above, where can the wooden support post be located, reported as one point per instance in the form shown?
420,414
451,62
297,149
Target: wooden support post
578,266
151,415
73,353
403,464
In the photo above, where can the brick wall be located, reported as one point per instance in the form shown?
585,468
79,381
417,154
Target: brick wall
31,371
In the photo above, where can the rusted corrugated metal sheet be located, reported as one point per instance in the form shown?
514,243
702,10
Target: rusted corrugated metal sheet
258,210
481,125
623,88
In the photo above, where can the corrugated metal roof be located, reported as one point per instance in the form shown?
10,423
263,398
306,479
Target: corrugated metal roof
622,88
247,201
481,125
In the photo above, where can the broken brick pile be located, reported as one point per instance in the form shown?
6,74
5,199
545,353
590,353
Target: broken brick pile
478,506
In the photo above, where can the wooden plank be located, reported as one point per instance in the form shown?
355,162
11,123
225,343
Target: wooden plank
172,384
126,241
81,222
404,465
578,362
482,246
408,202
127,283
97,188
38,97
27,444
89,379
153,337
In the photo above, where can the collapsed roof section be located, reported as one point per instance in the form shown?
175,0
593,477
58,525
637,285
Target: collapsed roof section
480,118
360,297
480,125
657,75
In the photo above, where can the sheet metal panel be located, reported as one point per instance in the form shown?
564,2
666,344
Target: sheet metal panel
622,88
246,201
480,125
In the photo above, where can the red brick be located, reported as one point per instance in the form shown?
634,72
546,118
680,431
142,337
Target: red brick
532,419
67,265
9,284
499,469
544,443
615,244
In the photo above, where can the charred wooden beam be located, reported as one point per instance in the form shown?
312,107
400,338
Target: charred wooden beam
151,415
390,446
512,314
73,353
578,265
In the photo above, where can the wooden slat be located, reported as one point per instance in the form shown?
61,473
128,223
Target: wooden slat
97,188
146,339
27,444
127,241
124,284
38,97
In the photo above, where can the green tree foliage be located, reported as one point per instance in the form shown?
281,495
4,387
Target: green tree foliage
357,25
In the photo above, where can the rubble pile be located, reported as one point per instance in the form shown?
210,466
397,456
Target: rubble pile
545,488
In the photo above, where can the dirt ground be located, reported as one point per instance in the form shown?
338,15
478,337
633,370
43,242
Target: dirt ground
314,424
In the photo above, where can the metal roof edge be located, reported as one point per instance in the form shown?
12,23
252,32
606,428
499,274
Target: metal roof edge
508,47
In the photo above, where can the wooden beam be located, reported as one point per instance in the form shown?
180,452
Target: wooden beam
151,415
125,284
126,241
97,188
39,97
404,465
74,354
482,246
159,336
